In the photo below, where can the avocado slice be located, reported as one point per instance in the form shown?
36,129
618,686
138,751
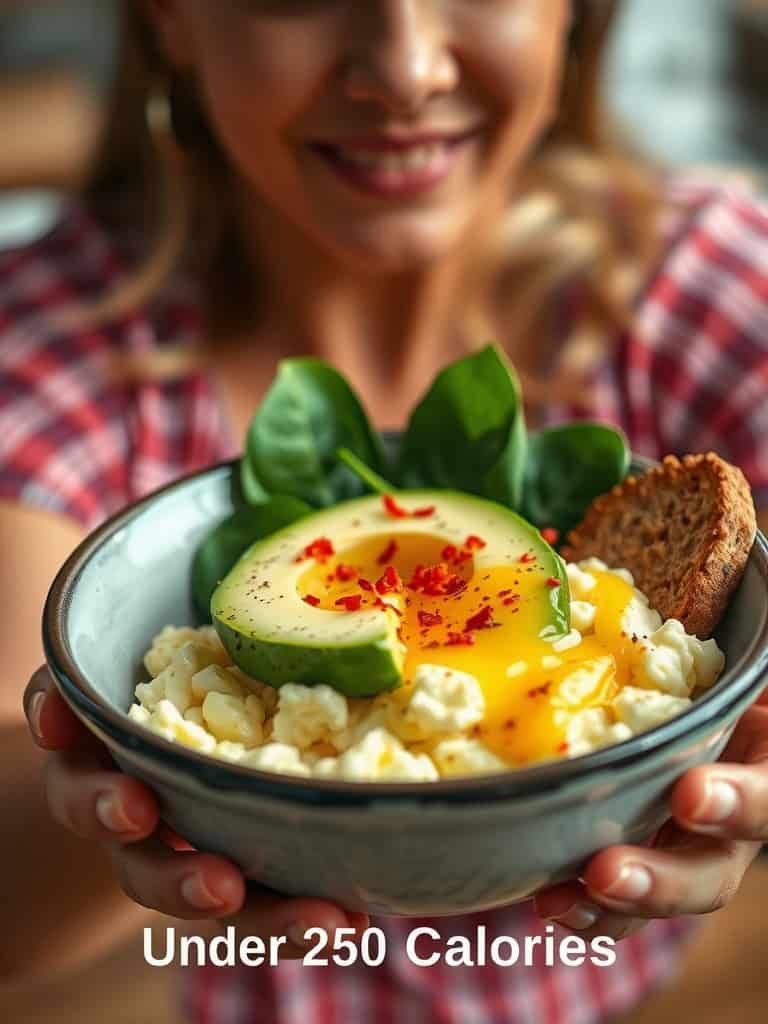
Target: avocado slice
305,604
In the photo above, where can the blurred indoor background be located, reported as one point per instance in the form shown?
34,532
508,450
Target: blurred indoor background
688,81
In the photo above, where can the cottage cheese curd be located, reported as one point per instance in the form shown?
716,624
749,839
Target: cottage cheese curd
620,671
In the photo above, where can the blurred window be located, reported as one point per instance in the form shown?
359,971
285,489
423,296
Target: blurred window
688,79
77,36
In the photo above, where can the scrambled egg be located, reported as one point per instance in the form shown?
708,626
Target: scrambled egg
619,672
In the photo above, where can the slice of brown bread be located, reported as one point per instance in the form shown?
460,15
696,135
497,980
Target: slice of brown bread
684,530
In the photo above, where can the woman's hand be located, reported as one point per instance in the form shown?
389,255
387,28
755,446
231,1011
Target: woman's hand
155,867
697,862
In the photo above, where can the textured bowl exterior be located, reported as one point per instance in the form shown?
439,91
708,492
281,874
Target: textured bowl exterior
424,849
410,859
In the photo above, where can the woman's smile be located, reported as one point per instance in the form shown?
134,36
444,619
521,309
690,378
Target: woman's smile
376,131
394,167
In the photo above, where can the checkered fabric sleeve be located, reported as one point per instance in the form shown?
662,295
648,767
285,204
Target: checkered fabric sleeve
692,374
80,434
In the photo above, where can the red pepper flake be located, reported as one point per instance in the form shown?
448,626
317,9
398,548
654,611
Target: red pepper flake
473,542
398,512
321,549
392,507
429,619
443,584
511,600
460,640
389,581
449,552
388,553
463,556
563,748
311,599
553,582
527,558
481,620
550,534
345,572
351,603
456,586
436,580
384,605
365,584
439,573
504,593
540,691
417,580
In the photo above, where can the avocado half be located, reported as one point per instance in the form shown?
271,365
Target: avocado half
275,636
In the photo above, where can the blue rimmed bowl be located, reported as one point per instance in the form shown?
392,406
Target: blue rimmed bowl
418,849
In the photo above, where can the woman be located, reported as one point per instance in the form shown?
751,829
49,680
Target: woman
382,184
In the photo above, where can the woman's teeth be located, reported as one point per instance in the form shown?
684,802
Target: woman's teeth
414,158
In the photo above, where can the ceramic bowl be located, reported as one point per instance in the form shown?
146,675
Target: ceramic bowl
412,849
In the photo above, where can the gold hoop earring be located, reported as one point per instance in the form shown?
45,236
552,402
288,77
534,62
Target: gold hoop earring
158,114
174,117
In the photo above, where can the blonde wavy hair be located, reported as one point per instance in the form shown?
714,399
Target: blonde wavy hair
582,226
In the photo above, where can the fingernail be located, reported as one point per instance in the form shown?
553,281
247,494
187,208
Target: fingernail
633,883
197,894
296,933
111,814
580,917
35,713
720,801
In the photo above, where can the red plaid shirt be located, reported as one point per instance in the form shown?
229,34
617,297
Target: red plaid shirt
691,376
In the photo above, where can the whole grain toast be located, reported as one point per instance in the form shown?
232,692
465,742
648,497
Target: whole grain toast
684,530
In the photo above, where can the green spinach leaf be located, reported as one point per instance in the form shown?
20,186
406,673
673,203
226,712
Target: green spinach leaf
307,415
468,432
569,466
251,489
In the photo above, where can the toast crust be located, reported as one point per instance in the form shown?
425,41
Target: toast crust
684,530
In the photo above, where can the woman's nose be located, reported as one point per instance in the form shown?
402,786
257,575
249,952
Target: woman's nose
400,54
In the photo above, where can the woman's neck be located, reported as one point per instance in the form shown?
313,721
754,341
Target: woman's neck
387,333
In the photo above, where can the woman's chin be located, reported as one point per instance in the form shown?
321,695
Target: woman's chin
409,243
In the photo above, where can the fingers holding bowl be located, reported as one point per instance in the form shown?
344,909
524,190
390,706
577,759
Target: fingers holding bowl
155,867
729,800
96,803
625,887
570,906
52,724
684,874
201,886
302,921
184,884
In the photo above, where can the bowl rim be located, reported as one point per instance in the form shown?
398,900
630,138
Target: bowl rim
91,707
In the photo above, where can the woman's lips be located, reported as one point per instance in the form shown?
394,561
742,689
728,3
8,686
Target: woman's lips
390,167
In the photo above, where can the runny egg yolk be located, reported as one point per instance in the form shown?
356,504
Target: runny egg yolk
486,623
